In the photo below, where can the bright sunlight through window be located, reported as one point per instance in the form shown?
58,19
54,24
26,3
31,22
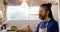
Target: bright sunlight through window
23,12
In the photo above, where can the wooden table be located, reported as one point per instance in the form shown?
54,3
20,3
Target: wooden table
29,30
24,31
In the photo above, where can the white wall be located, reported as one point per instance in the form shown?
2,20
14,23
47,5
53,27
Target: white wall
59,19
55,12
59,16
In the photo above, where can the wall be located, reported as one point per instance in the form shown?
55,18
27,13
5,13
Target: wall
2,7
55,12
59,16
1,4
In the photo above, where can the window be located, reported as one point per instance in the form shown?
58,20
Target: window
22,13
34,11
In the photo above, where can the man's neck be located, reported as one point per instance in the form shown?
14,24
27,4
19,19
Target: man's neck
47,19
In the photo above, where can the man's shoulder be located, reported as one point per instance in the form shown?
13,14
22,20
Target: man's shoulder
53,22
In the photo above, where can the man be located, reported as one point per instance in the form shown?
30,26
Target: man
48,24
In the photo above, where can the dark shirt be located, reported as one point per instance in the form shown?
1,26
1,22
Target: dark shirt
51,27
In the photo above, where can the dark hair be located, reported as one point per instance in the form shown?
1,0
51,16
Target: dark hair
48,8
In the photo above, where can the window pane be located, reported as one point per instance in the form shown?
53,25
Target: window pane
34,11
17,13
21,13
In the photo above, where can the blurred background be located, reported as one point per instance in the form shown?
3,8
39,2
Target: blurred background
22,12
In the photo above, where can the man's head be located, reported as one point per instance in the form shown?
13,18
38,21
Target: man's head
45,11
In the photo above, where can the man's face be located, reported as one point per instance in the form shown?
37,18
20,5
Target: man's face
42,13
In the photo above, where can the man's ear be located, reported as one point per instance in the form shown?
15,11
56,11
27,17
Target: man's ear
47,13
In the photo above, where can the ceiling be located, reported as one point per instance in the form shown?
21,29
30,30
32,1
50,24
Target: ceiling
31,2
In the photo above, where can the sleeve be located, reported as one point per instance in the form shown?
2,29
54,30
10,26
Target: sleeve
54,28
